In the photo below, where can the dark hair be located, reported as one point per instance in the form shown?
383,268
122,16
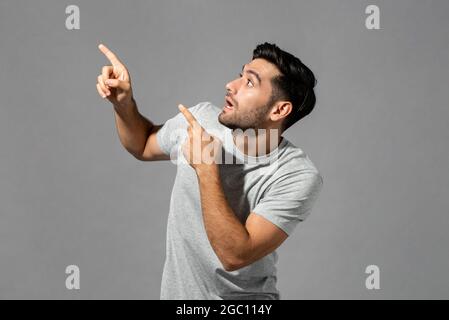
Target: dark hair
295,84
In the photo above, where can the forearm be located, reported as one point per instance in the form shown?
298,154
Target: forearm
228,236
132,127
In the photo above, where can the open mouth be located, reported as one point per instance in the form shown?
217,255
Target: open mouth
228,104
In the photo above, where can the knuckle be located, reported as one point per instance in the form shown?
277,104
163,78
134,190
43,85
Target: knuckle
107,70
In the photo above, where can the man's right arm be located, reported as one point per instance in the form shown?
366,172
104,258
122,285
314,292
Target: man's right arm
137,134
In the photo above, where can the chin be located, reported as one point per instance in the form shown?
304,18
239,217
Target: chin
225,123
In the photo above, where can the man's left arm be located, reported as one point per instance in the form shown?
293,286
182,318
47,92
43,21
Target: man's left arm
236,245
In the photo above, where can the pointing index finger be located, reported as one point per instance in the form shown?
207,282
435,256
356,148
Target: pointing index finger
110,55
187,114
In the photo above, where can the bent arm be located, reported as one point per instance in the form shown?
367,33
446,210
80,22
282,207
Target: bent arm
236,245
137,134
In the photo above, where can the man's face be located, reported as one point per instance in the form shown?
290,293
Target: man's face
249,96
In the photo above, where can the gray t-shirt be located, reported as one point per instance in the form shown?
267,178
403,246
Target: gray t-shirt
281,186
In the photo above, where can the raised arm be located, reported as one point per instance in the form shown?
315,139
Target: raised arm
136,133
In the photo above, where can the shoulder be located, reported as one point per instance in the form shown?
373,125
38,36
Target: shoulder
294,165
205,109
206,114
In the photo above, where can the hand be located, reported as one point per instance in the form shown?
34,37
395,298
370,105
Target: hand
201,150
114,82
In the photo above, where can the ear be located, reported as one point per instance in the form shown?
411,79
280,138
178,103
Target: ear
281,110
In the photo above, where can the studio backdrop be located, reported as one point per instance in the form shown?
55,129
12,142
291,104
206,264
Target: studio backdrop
73,199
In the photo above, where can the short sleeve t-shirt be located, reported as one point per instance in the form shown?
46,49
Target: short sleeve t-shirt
281,186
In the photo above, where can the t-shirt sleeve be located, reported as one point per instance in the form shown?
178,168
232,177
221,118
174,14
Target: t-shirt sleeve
289,200
174,131
169,134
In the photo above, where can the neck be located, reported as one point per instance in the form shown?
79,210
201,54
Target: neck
257,142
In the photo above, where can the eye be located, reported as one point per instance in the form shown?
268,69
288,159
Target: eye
247,81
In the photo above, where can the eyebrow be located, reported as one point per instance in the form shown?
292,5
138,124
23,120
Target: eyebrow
253,73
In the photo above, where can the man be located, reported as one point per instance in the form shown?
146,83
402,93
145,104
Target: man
227,218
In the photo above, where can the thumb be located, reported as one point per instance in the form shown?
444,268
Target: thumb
115,83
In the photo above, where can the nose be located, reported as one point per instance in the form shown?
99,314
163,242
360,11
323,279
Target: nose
231,88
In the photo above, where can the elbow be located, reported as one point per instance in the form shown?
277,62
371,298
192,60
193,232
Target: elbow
232,264
230,267
239,258
138,156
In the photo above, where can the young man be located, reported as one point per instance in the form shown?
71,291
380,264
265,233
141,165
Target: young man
237,195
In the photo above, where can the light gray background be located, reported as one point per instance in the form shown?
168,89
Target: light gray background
70,193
